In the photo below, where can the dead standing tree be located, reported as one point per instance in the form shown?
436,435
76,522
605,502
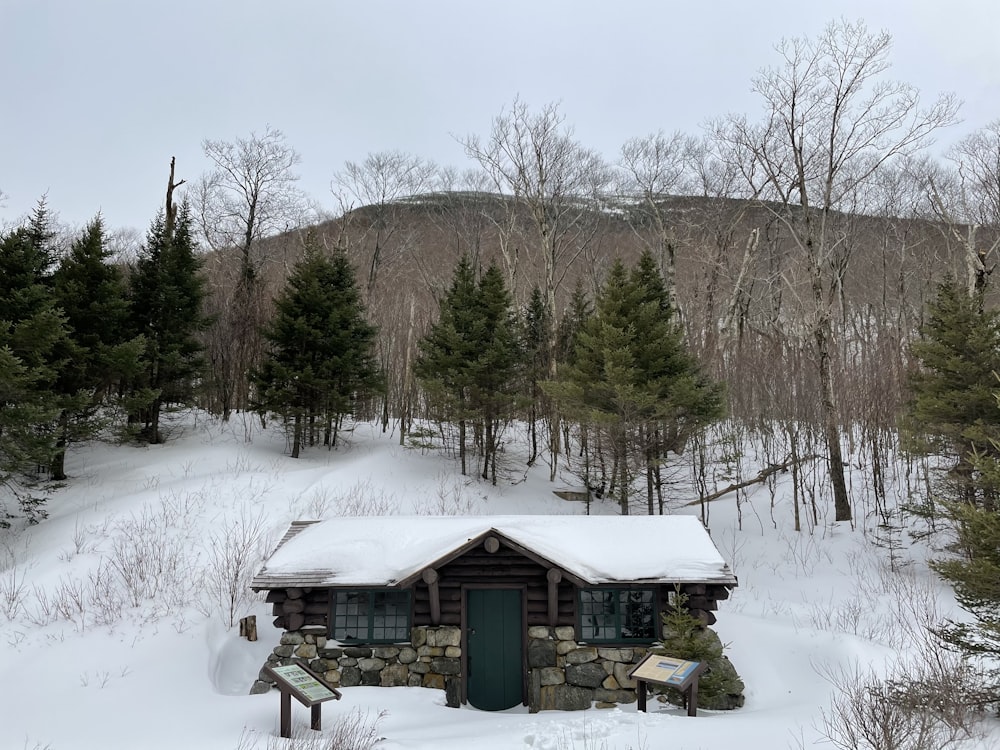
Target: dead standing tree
550,177
831,122
250,194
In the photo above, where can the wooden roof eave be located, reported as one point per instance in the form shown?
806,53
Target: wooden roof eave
730,581
413,577
262,581
302,579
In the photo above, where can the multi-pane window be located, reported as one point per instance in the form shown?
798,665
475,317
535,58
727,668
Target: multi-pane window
617,615
371,616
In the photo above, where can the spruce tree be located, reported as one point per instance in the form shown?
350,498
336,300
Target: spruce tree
686,637
165,297
27,413
36,350
974,573
444,364
496,367
577,313
953,411
321,350
470,361
632,380
973,570
92,295
536,335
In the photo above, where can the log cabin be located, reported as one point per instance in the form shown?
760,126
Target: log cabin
498,611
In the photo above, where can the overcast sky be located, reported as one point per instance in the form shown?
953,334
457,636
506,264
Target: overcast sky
98,95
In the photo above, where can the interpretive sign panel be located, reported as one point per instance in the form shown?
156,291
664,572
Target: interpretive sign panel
666,670
303,684
308,688
671,671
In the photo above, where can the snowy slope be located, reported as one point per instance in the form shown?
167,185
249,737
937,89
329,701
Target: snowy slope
115,613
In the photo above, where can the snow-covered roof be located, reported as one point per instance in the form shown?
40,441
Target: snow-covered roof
380,551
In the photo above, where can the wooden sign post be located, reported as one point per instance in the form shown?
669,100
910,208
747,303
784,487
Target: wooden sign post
672,672
309,689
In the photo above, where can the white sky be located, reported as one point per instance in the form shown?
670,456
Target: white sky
98,96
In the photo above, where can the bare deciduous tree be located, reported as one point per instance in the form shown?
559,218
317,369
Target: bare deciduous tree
654,168
250,194
376,230
533,158
832,121
378,185
966,199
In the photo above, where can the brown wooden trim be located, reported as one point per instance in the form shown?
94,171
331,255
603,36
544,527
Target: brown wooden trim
464,640
476,542
430,576
543,561
554,576
443,560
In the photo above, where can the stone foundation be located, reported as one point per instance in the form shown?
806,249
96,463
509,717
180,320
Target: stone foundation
564,675
433,659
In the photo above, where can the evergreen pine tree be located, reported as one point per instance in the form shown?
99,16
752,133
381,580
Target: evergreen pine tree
36,350
536,335
686,637
579,310
953,411
497,363
470,360
165,297
973,570
444,363
974,573
321,357
91,293
631,377
27,412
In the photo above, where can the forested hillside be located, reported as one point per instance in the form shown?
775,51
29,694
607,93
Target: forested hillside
795,256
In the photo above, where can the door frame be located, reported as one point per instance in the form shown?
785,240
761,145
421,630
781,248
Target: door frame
523,588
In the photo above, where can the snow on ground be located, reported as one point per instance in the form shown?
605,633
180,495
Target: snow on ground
115,612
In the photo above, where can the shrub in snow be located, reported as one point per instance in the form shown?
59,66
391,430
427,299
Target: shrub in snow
686,637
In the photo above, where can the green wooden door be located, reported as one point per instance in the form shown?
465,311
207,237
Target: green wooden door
494,659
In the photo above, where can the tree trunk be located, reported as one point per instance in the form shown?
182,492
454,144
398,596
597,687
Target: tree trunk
154,421
649,481
461,444
487,446
623,487
533,430
57,467
297,435
831,428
